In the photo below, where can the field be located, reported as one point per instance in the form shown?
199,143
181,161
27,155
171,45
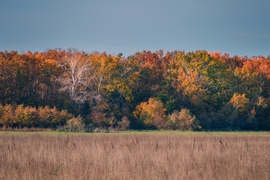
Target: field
164,155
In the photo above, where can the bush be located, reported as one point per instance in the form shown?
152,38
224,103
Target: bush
26,116
100,130
124,123
183,120
20,116
7,117
75,124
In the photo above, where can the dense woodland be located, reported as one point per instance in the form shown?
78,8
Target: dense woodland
147,90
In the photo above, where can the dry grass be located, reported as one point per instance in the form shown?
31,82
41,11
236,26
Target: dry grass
134,156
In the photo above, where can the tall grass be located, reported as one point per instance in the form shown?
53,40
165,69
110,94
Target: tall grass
134,156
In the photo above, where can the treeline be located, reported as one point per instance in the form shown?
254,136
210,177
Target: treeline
19,116
147,90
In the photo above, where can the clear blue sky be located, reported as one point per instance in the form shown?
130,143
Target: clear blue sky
236,27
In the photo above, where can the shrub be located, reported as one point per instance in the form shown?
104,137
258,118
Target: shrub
183,120
20,116
124,123
8,118
26,116
44,116
75,124
100,130
51,117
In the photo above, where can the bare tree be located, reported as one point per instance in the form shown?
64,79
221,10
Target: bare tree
75,79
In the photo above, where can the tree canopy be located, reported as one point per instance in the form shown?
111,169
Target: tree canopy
150,90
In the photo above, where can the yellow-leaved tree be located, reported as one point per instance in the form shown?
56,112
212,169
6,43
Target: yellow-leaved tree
151,114
240,102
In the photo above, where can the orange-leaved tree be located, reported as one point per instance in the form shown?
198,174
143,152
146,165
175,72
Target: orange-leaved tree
151,114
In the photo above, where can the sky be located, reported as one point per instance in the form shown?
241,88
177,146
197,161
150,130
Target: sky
235,27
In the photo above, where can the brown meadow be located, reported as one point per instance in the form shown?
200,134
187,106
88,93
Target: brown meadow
134,156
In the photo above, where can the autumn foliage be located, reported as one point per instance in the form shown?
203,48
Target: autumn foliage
147,90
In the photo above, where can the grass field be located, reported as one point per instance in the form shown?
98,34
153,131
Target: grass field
135,155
